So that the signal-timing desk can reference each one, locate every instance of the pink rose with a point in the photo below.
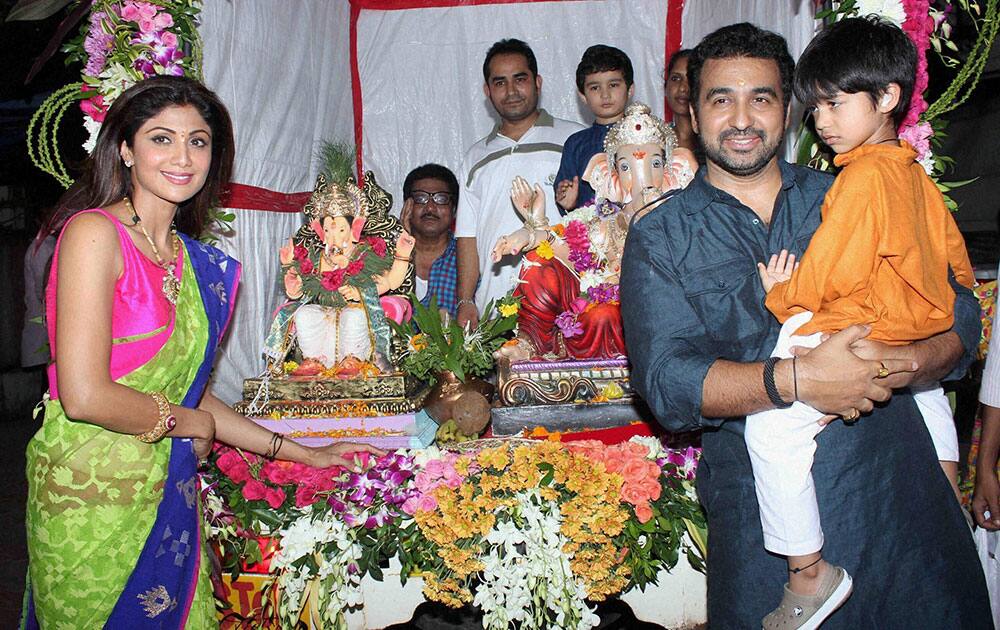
(130, 12)
(305, 496)
(634, 471)
(306, 266)
(355, 267)
(427, 503)
(146, 26)
(279, 473)
(453, 482)
(434, 468)
(652, 488)
(378, 246)
(169, 39)
(411, 505)
(275, 497)
(332, 280)
(634, 494)
(163, 20)
(254, 490)
(643, 512)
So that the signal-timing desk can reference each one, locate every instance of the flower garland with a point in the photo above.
(126, 41)
(527, 532)
(301, 267)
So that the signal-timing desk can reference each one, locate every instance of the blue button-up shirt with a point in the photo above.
(691, 295)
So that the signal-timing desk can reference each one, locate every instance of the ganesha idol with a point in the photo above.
(569, 284)
(569, 323)
(337, 275)
(331, 353)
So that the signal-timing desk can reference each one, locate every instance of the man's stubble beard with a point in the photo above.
(763, 154)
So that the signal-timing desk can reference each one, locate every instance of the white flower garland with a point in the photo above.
(333, 549)
(527, 579)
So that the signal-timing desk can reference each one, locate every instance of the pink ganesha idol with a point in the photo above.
(568, 283)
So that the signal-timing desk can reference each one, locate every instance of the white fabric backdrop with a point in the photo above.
(283, 69)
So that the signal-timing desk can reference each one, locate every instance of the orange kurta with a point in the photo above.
(881, 254)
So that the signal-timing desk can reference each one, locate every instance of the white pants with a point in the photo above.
(782, 443)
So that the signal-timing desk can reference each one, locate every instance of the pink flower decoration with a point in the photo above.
(332, 280)
(378, 246)
(919, 137)
(643, 512)
(275, 497)
(94, 107)
(254, 490)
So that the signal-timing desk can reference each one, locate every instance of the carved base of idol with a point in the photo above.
(568, 417)
(312, 397)
(559, 382)
(565, 396)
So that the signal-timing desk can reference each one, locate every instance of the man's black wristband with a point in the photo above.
(770, 387)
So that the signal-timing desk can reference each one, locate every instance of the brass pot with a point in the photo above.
(468, 403)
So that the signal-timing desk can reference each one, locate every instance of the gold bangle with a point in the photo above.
(164, 425)
(400, 258)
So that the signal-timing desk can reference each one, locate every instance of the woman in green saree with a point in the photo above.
(135, 311)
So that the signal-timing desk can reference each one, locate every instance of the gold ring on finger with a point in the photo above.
(882, 370)
(853, 417)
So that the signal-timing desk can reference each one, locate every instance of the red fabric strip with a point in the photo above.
(356, 88)
(246, 197)
(672, 43)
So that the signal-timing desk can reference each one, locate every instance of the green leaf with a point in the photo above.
(26, 10)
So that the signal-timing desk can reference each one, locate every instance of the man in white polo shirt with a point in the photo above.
(527, 142)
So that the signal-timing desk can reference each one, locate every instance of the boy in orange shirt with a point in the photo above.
(880, 257)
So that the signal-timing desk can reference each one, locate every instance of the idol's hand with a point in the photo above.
(511, 244)
(351, 294)
(404, 244)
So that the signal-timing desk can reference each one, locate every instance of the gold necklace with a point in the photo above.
(171, 283)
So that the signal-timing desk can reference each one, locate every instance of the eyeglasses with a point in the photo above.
(422, 198)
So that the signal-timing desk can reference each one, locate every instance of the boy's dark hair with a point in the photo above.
(741, 40)
(510, 47)
(601, 58)
(432, 171)
(858, 55)
(682, 53)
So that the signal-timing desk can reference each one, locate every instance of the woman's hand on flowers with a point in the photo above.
(778, 269)
(339, 454)
(351, 294)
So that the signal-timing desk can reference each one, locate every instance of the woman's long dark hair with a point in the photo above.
(105, 179)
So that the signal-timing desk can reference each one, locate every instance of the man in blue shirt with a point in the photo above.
(604, 78)
(697, 332)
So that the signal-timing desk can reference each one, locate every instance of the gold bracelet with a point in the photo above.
(400, 258)
(164, 425)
